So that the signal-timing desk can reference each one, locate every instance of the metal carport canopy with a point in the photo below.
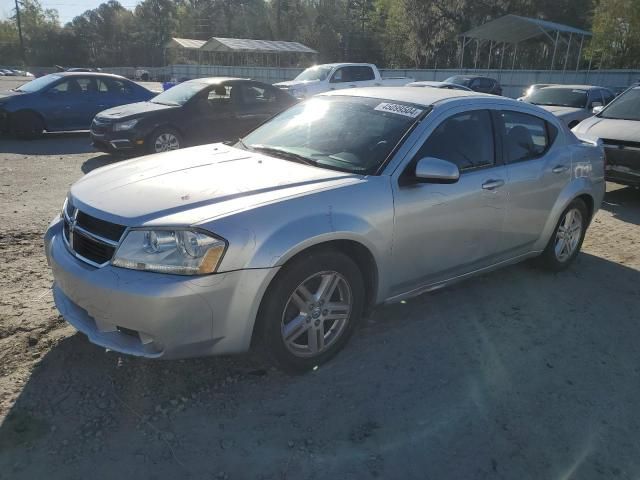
(516, 29)
(219, 44)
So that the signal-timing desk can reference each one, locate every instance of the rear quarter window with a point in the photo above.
(525, 136)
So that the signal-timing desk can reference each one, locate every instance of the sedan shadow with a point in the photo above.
(624, 204)
(101, 160)
(521, 373)
(62, 143)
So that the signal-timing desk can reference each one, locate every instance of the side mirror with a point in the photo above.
(434, 170)
(597, 109)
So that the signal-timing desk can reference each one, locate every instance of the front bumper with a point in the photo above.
(111, 142)
(155, 315)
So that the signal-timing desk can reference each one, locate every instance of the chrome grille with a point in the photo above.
(90, 239)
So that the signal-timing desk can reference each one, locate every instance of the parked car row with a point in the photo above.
(10, 72)
(126, 118)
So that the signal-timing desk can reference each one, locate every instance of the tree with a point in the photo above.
(616, 33)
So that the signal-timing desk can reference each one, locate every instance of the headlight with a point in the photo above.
(181, 252)
(128, 125)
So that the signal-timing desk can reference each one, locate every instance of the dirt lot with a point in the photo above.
(517, 374)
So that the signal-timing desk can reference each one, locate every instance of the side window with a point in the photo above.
(475, 83)
(486, 83)
(74, 86)
(340, 75)
(526, 137)
(255, 95)
(117, 87)
(102, 86)
(363, 74)
(221, 95)
(595, 96)
(607, 96)
(465, 139)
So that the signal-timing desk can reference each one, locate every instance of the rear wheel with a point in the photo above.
(566, 241)
(27, 125)
(311, 309)
(164, 139)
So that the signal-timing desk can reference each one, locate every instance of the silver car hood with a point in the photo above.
(597, 127)
(192, 185)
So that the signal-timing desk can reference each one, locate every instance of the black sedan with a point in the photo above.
(195, 112)
(477, 84)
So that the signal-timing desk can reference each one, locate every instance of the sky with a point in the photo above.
(67, 9)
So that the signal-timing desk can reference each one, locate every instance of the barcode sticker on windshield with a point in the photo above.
(399, 109)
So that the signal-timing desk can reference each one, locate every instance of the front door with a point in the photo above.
(445, 230)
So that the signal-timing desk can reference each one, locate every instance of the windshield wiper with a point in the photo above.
(282, 153)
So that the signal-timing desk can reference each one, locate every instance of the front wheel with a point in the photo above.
(164, 139)
(311, 309)
(27, 125)
(566, 241)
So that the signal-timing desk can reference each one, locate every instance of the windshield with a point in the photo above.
(180, 94)
(625, 107)
(458, 80)
(314, 73)
(560, 97)
(352, 134)
(38, 84)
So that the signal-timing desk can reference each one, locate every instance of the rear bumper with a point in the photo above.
(155, 315)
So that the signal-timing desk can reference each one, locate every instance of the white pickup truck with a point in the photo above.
(334, 76)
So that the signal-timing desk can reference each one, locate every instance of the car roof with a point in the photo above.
(418, 96)
(216, 80)
(581, 87)
(87, 74)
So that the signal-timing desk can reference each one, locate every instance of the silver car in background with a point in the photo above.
(570, 103)
(349, 200)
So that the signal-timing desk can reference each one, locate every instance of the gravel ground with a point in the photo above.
(516, 374)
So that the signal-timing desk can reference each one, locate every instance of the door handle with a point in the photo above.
(492, 184)
(353, 86)
(560, 169)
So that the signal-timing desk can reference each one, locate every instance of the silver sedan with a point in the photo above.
(349, 200)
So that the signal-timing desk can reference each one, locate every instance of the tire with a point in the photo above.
(27, 125)
(566, 241)
(164, 139)
(314, 336)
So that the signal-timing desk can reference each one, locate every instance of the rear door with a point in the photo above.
(259, 102)
(69, 104)
(112, 92)
(211, 115)
(537, 172)
(446, 230)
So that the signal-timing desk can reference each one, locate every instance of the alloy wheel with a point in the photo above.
(568, 235)
(165, 142)
(316, 314)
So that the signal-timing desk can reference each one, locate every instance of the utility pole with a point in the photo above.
(24, 58)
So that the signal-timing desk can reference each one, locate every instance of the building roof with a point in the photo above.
(514, 29)
(187, 43)
(219, 44)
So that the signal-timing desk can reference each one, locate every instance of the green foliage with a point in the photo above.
(616, 33)
(393, 33)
